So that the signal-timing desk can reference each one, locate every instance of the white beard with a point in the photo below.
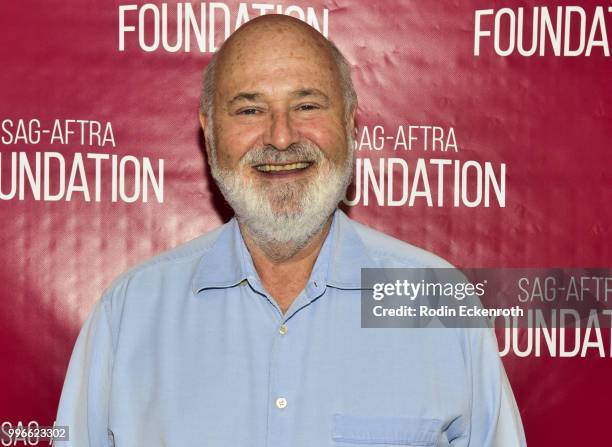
(288, 215)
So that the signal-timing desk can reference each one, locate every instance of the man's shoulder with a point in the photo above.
(390, 252)
(181, 259)
(190, 251)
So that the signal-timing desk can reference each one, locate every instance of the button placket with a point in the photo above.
(282, 386)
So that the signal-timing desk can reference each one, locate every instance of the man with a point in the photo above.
(250, 335)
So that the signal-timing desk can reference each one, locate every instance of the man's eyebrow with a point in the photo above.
(304, 92)
(301, 93)
(245, 96)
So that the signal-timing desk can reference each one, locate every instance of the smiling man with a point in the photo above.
(277, 111)
(250, 335)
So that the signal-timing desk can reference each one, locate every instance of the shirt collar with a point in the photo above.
(221, 266)
(228, 262)
(348, 255)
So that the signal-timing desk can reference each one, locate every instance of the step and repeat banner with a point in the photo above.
(484, 136)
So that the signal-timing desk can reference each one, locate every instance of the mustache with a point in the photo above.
(294, 153)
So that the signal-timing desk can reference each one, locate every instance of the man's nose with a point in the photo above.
(281, 132)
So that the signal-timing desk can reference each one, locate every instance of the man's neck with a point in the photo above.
(284, 277)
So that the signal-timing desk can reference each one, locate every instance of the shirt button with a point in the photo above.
(281, 402)
(283, 329)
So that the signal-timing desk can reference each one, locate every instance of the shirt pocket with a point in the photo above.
(350, 430)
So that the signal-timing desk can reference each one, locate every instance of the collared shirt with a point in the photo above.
(190, 349)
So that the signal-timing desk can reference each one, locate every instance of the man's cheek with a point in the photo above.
(226, 158)
(324, 168)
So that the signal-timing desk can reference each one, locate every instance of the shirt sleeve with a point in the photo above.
(495, 419)
(84, 401)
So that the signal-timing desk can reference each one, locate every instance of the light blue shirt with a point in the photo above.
(189, 349)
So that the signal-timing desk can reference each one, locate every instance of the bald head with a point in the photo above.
(271, 31)
(268, 39)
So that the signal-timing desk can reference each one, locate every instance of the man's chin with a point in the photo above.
(284, 211)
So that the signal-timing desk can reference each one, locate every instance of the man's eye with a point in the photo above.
(250, 111)
(307, 107)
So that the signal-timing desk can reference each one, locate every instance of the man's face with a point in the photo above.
(280, 138)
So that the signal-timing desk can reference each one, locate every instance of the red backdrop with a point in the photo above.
(540, 122)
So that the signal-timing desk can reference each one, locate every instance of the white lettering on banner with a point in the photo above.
(201, 27)
(434, 182)
(473, 184)
(548, 289)
(563, 333)
(567, 30)
(52, 176)
(65, 132)
(408, 137)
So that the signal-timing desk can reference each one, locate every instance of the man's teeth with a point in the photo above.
(289, 167)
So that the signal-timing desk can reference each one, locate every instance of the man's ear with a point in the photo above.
(203, 122)
(204, 125)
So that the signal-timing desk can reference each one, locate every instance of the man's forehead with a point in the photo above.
(289, 86)
(280, 72)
